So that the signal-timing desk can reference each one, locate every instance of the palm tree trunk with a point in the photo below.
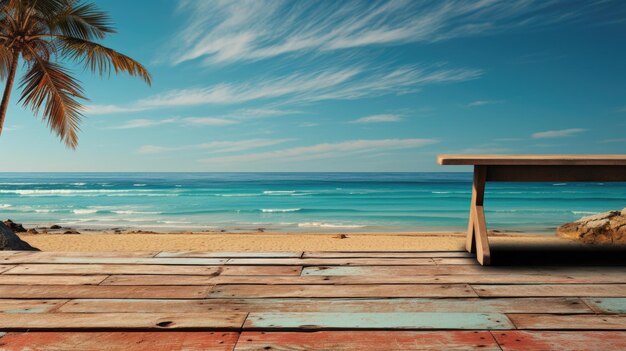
(7, 89)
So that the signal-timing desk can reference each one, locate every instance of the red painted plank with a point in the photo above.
(367, 341)
(569, 322)
(417, 290)
(127, 341)
(352, 305)
(102, 292)
(562, 341)
(162, 321)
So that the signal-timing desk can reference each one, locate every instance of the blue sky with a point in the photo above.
(342, 86)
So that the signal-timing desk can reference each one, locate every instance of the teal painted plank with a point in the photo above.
(402, 320)
(607, 304)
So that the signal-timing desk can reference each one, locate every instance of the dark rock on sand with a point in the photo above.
(340, 236)
(32, 231)
(606, 227)
(54, 227)
(71, 231)
(10, 241)
(15, 227)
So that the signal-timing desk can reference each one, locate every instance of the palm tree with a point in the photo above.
(44, 34)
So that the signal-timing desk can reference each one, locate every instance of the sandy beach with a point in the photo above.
(98, 241)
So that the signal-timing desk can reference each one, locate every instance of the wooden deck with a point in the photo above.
(304, 301)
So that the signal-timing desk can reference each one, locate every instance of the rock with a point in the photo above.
(10, 241)
(15, 227)
(71, 231)
(606, 227)
(32, 231)
(55, 227)
(340, 236)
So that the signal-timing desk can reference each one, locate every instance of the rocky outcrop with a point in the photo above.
(606, 227)
(15, 227)
(10, 241)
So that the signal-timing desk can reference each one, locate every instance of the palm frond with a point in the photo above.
(5, 61)
(100, 59)
(51, 86)
(84, 21)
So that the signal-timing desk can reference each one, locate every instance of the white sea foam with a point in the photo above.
(583, 212)
(279, 192)
(559, 184)
(79, 184)
(327, 225)
(5, 205)
(135, 212)
(139, 184)
(270, 210)
(85, 211)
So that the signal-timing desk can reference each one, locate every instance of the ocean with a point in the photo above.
(301, 202)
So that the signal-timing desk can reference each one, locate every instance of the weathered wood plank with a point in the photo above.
(5, 267)
(261, 270)
(416, 290)
(14, 256)
(399, 320)
(342, 280)
(571, 322)
(333, 261)
(52, 279)
(29, 306)
(26, 257)
(384, 254)
(515, 340)
(367, 341)
(64, 321)
(128, 341)
(417, 270)
(352, 305)
(454, 260)
(246, 254)
(176, 261)
(66, 269)
(607, 305)
(603, 290)
(101, 292)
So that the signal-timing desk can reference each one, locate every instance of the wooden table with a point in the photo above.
(527, 168)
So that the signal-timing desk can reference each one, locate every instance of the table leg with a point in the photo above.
(477, 227)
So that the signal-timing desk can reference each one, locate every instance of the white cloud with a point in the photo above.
(144, 123)
(209, 121)
(108, 109)
(558, 133)
(482, 103)
(214, 146)
(338, 84)
(324, 151)
(378, 119)
(219, 31)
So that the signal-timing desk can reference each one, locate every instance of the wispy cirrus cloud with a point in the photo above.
(297, 88)
(209, 121)
(478, 103)
(143, 123)
(386, 118)
(558, 133)
(228, 31)
(213, 146)
(325, 150)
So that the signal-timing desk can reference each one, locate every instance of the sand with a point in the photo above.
(271, 241)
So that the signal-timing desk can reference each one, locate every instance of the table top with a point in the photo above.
(532, 160)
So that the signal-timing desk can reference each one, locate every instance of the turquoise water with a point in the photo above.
(311, 202)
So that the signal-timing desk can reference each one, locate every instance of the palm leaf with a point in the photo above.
(84, 21)
(101, 59)
(51, 86)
